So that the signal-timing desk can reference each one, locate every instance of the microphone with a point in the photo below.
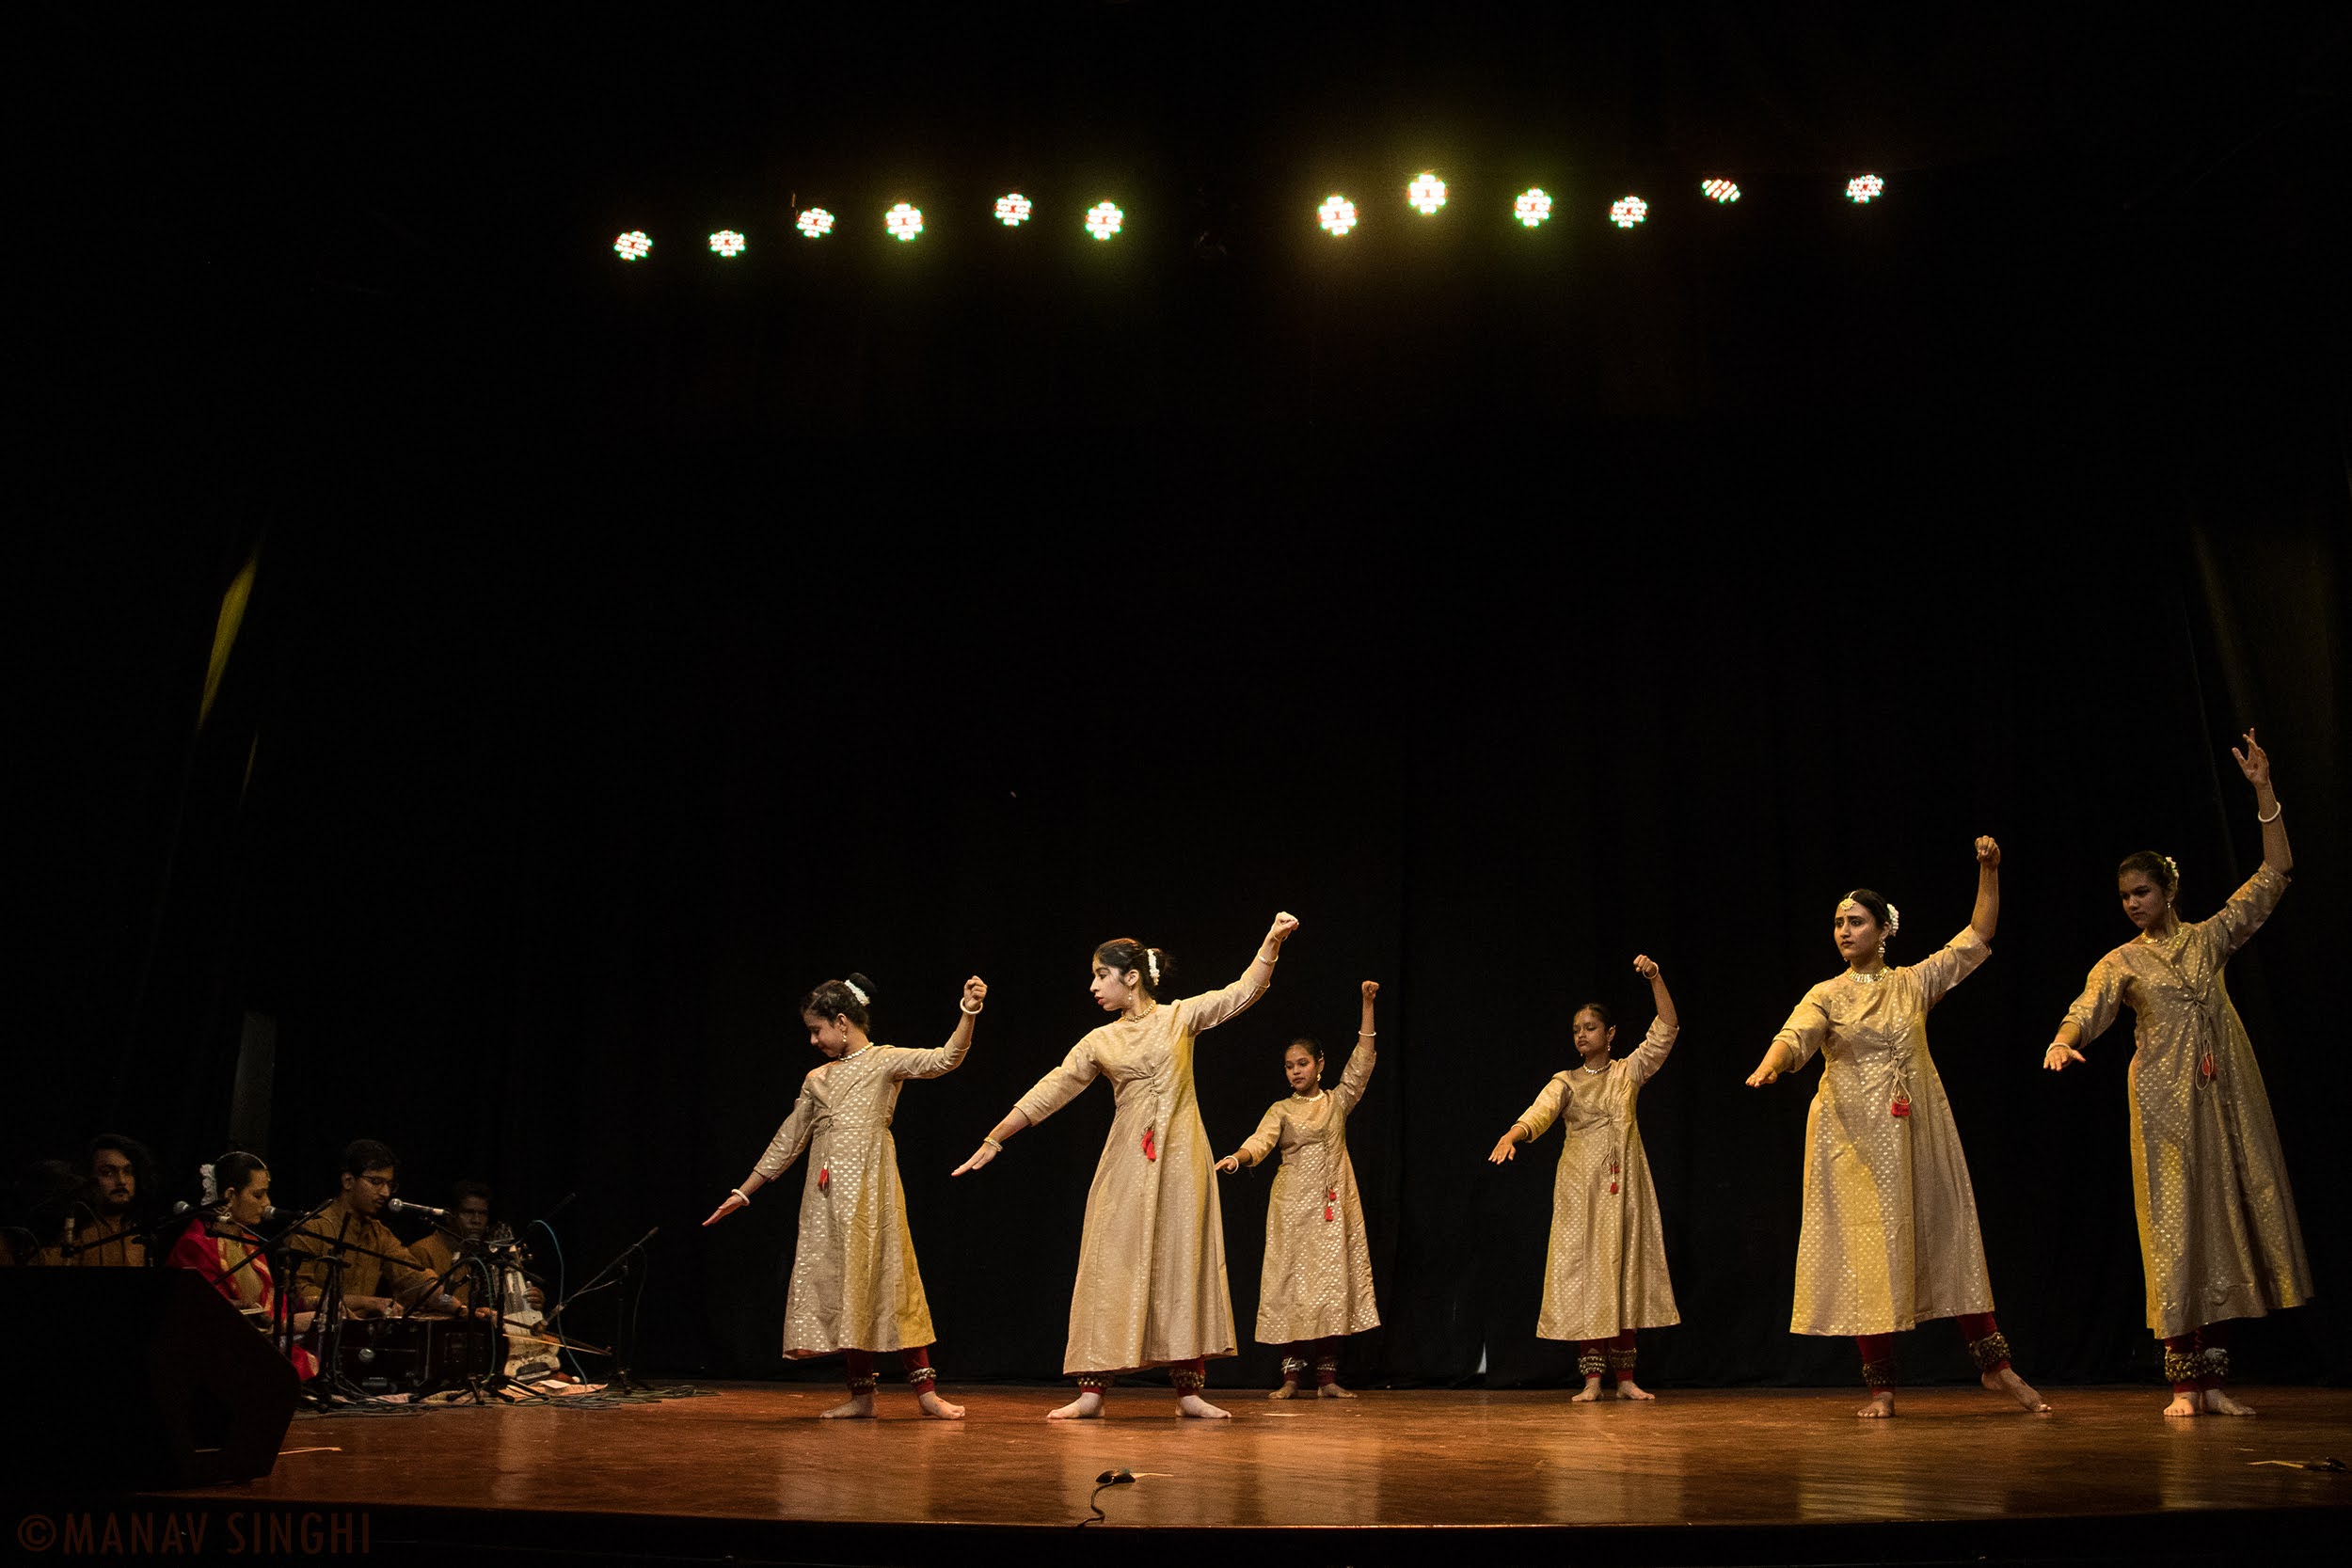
(274, 1214)
(402, 1206)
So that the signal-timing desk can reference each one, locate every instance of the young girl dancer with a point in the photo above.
(2219, 1237)
(1606, 1276)
(855, 1287)
(1316, 1285)
(1890, 1236)
(1151, 1288)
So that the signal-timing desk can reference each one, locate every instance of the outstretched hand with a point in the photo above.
(1988, 853)
(980, 1156)
(1767, 1071)
(1507, 1149)
(2060, 1053)
(735, 1201)
(1231, 1164)
(1646, 966)
(2253, 762)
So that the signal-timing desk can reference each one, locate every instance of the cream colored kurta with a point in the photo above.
(1890, 1236)
(1606, 1271)
(2219, 1237)
(1151, 1286)
(1317, 1278)
(855, 1282)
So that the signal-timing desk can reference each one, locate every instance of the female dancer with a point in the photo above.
(1890, 1236)
(1151, 1288)
(223, 1246)
(1316, 1285)
(2218, 1234)
(1607, 1272)
(855, 1287)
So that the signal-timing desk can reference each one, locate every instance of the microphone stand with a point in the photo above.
(623, 1338)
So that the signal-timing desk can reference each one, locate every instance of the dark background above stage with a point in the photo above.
(629, 650)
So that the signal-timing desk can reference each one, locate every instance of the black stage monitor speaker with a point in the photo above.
(125, 1379)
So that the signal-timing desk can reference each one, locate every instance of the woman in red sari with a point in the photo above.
(220, 1247)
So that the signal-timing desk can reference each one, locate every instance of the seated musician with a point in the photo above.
(222, 1245)
(379, 1275)
(468, 1223)
(121, 1176)
(467, 1231)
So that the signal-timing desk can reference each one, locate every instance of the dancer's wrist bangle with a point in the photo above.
(992, 1143)
(739, 1196)
(969, 1010)
(2276, 807)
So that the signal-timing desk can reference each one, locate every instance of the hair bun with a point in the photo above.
(865, 986)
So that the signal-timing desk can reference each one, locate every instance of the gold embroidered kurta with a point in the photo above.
(854, 1282)
(1890, 1236)
(395, 1275)
(1151, 1286)
(1317, 1278)
(2219, 1237)
(1606, 1270)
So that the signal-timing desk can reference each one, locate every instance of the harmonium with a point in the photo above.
(416, 1355)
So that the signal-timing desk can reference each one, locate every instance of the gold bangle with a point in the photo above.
(991, 1142)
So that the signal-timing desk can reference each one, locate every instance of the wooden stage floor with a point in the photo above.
(1753, 1476)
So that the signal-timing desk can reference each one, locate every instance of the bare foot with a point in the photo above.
(1288, 1391)
(2008, 1382)
(1590, 1393)
(1629, 1389)
(1193, 1404)
(1332, 1391)
(937, 1408)
(2185, 1405)
(1882, 1403)
(1088, 1406)
(859, 1408)
(2223, 1404)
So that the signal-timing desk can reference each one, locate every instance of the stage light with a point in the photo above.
(633, 245)
(1103, 220)
(727, 242)
(905, 222)
(816, 223)
(1427, 194)
(1531, 208)
(1337, 216)
(1720, 190)
(1012, 211)
(1627, 211)
(1862, 189)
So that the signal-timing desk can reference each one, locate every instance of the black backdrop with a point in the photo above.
(630, 650)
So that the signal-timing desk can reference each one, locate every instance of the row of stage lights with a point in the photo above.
(1337, 216)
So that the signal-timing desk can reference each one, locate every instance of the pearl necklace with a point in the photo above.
(1603, 1067)
(1869, 977)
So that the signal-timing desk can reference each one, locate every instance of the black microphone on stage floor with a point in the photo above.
(402, 1206)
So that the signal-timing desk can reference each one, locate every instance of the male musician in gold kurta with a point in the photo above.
(116, 1237)
(371, 1284)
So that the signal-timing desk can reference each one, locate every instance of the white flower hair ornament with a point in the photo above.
(212, 1189)
(850, 986)
(1894, 920)
(1151, 962)
(2174, 866)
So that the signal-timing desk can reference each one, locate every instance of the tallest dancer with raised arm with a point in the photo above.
(1150, 1289)
(2218, 1238)
(1890, 1237)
